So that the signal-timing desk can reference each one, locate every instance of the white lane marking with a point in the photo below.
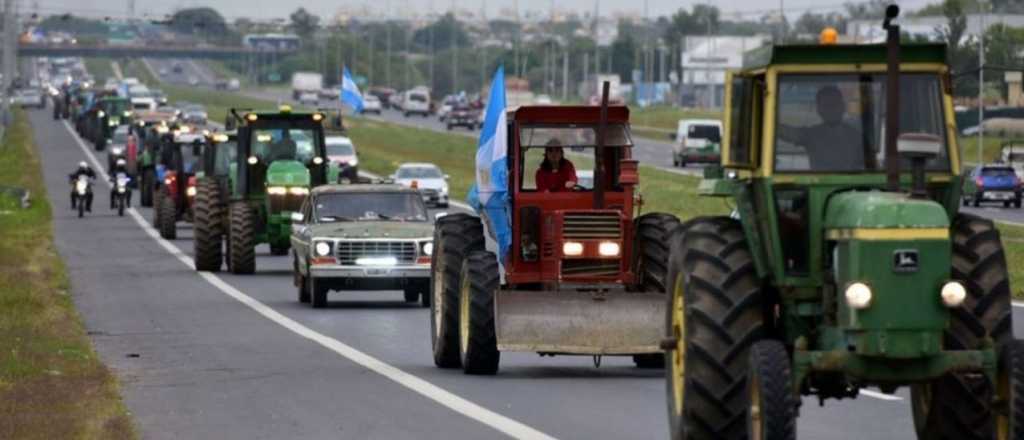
(433, 392)
(1018, 304)
(880, 396)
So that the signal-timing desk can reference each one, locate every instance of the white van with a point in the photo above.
(697, 141)
(416, 101)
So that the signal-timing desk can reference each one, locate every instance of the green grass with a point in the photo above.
(99, 68)
(223, 71)
(990, 151)
(666, 117)
(52, 383)
(1013, 246)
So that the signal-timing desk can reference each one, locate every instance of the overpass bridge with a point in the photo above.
(144, 50)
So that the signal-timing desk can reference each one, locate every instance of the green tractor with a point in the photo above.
(110, 112)
(214, 185)
(279, 157)
(839, 270)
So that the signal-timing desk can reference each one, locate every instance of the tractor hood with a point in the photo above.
(374, 229)
(287, 173)
(883, 210)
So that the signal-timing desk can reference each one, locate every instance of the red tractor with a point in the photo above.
(584, 275)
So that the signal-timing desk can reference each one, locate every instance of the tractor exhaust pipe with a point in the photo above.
(602, 127)
(892, 98)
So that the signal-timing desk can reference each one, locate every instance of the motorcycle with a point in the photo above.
(122, 193)
(81, 194)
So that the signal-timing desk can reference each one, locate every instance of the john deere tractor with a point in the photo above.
(279, 157)
(108, 113)
(845, 263)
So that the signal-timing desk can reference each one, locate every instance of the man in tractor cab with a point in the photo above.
(556, 173)
(832, 144)
(283, 149)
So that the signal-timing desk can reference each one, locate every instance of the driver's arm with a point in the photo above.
(570, 173)
(790, 133)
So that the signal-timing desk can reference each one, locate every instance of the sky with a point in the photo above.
(263, 9)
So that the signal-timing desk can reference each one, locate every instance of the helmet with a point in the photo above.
(120, 162)
(83, 165)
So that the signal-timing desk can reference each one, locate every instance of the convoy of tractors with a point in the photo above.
(836, 271)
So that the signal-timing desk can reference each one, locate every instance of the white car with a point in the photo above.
(28, 98)
(342, 152)
(427, 178)
(371, 104)
(309, 98)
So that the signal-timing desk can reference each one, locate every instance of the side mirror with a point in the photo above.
(439, 215)
(446, 177)
(297, 217)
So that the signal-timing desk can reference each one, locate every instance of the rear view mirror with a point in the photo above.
(297, 217)
(439, 215)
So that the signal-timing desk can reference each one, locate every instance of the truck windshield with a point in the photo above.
(370, 206)
(836, 123)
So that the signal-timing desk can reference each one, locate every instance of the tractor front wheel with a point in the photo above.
(146, 188)
(772, 414)
(168, 217)
(715, 314)
(650, 257)
(959, 406)
(455, 236)
(243, 241)
(208, 219)
(478, 343)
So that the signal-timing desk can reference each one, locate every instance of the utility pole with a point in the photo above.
(387, 36)
(455, 49)
(711, 84)
(565, 75)
(8, 63)
(430, 38)
(981, 81)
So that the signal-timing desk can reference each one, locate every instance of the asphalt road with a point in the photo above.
(225, 356)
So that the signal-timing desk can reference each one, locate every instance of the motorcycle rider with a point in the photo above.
(120, 167)
(83, 170)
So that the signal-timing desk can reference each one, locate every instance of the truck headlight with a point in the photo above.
(277, 190)
(608, 249)
(572, 248)
(858, 295)
(298, 191)
(953, 294)
(322, 249)
(428, 248)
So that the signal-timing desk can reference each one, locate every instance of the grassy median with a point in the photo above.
(52, 383)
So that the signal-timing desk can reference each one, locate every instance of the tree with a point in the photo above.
(447, 32)
(873, 9)
(73, 25)
(811, 23)
(204, 22)
(303, 23)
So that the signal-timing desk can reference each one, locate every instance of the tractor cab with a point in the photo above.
(180, 158)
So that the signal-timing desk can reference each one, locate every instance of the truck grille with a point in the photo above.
(583, 226)
(287, 202)
(349, 251)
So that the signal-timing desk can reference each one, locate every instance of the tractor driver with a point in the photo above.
(284, 148)
(556, 173)
(831, 145)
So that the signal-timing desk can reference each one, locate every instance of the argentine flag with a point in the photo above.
(489, 196)
(350, 92)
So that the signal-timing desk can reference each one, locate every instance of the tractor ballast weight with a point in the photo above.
(582, 276)
(838, 270)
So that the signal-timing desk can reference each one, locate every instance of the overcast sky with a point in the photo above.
(281, 8)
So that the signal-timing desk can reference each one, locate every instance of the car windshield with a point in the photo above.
(997, 172)
(417, 98)
(339, 148)
(836, 123)
(418, 173)
(285, 144)
(617, 135)
(709, 132)
(370, 206)
(115, 107)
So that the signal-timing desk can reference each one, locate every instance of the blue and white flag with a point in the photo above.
(489, 196)
(350, 92)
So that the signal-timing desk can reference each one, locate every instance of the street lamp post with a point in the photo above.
(981, 80)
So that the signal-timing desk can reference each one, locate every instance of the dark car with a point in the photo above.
(462, 115)
(992, 183)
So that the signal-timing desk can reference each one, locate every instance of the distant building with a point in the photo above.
(705, 60)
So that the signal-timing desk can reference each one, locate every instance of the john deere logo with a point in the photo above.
(906, 260)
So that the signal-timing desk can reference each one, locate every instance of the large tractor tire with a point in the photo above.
(773, 409)
(146, 188)
(958, 406)
(715, 314)
(478, 342)
(455, 236)
(650, 257)
(243, 239)
(168, 218)
(208, 213)
(158, 198)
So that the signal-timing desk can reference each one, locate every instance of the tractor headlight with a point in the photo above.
(190, 191)
(116, 151)
(277, 190)
(428, 248)
(127, 113)
(318, 160)
(298, 191)
(953, 294)
(322, 249)
(100, 114)
(252, 160)
(572, 248)
(608, 249)
(858, 295)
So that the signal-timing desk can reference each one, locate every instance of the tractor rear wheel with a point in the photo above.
(772, 414)
(158, 198)
(650, 256)
(243, 241)
(1010, 424)
(958, 406)
(168, 217)
(455, 236)
(146, 188)
(715, 314)
(208, 224)
(478, 343)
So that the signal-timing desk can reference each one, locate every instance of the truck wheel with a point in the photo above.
(411, 294)
(208, 214)
(168, 217)
(977, 201)
(146, 190)
(714, 286)
(317, 293)
(650, 256)
(303, 290)
(455, 236)
(478, 344)
(958, 406)
(772, 414)
(243, 244)
(1016, 203)
(1011, 389)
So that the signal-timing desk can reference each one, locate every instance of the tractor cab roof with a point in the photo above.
(284, 113)
(816, 54)
(568, 114)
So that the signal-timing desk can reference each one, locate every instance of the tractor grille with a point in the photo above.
(590, 267)
(287, 202)
(592, 226)
(349, 251)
